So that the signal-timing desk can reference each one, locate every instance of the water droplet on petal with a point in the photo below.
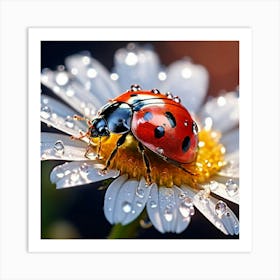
(218, 224)
(181, 195)
(140, 192)
(84, 169)
(91, 73)
(67, 172)
(220, 208)
(168, 215)
(46, 112)
(74, 71)
(59, 172)
(188, 201)
(204, 195)
(139, 203)
(186, 73)
(86, 60)
(69, 122)
(74, 177)
(184, 210)
(131, 59)
(58, 148)
(221, 101)
(70, 92)
(153, 204)
(126, 207)
(61, 79)
(162, 76)
(231, 187)
(44, 155)
(114, 76)
(213, 185)
(191, 210)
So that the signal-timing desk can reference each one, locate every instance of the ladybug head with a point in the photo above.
(99, 128)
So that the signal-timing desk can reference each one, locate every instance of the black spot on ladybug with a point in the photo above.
(186, 144)
(133, 94)
(159, 131)
(148, 116)
(171, 119)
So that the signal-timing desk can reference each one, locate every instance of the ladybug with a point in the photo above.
(157, 121)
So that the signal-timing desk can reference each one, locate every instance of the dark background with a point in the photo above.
(78, 212)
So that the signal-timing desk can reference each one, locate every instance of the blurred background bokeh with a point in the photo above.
(78, 212)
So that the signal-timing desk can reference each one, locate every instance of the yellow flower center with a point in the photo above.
(128, 159)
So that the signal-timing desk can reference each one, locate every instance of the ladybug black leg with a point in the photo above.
(99, 148)
(146, 162)
(121, 140)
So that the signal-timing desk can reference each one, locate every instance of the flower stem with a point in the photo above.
(131, 230)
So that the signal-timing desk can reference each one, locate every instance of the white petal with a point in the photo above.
(223, 112)
(167, 209)
(94, 75)
(225, 187)
(124, 200)
(71, 91)
(141, 195)
(111, 197)
(137, 65)
(164, 207)
(227, 223)
(61, 147)
(183, 211)
(230, 222)
(71, 174)
(231, 141)
(153, 209)
(231, 170)
(188, 81)
(58, 115)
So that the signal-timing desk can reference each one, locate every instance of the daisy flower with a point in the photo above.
(173, 196)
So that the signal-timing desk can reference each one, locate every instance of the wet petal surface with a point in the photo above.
(65, 86)
(137, 65)
(94, 76)
(58, 115)
(188, 81)
(71, 174)
(222, 112)
(216, 211)
(61, 147)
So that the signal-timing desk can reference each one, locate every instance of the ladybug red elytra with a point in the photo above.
(157, 121)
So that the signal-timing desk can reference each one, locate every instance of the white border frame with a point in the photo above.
(262, 16)
(243, 35)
